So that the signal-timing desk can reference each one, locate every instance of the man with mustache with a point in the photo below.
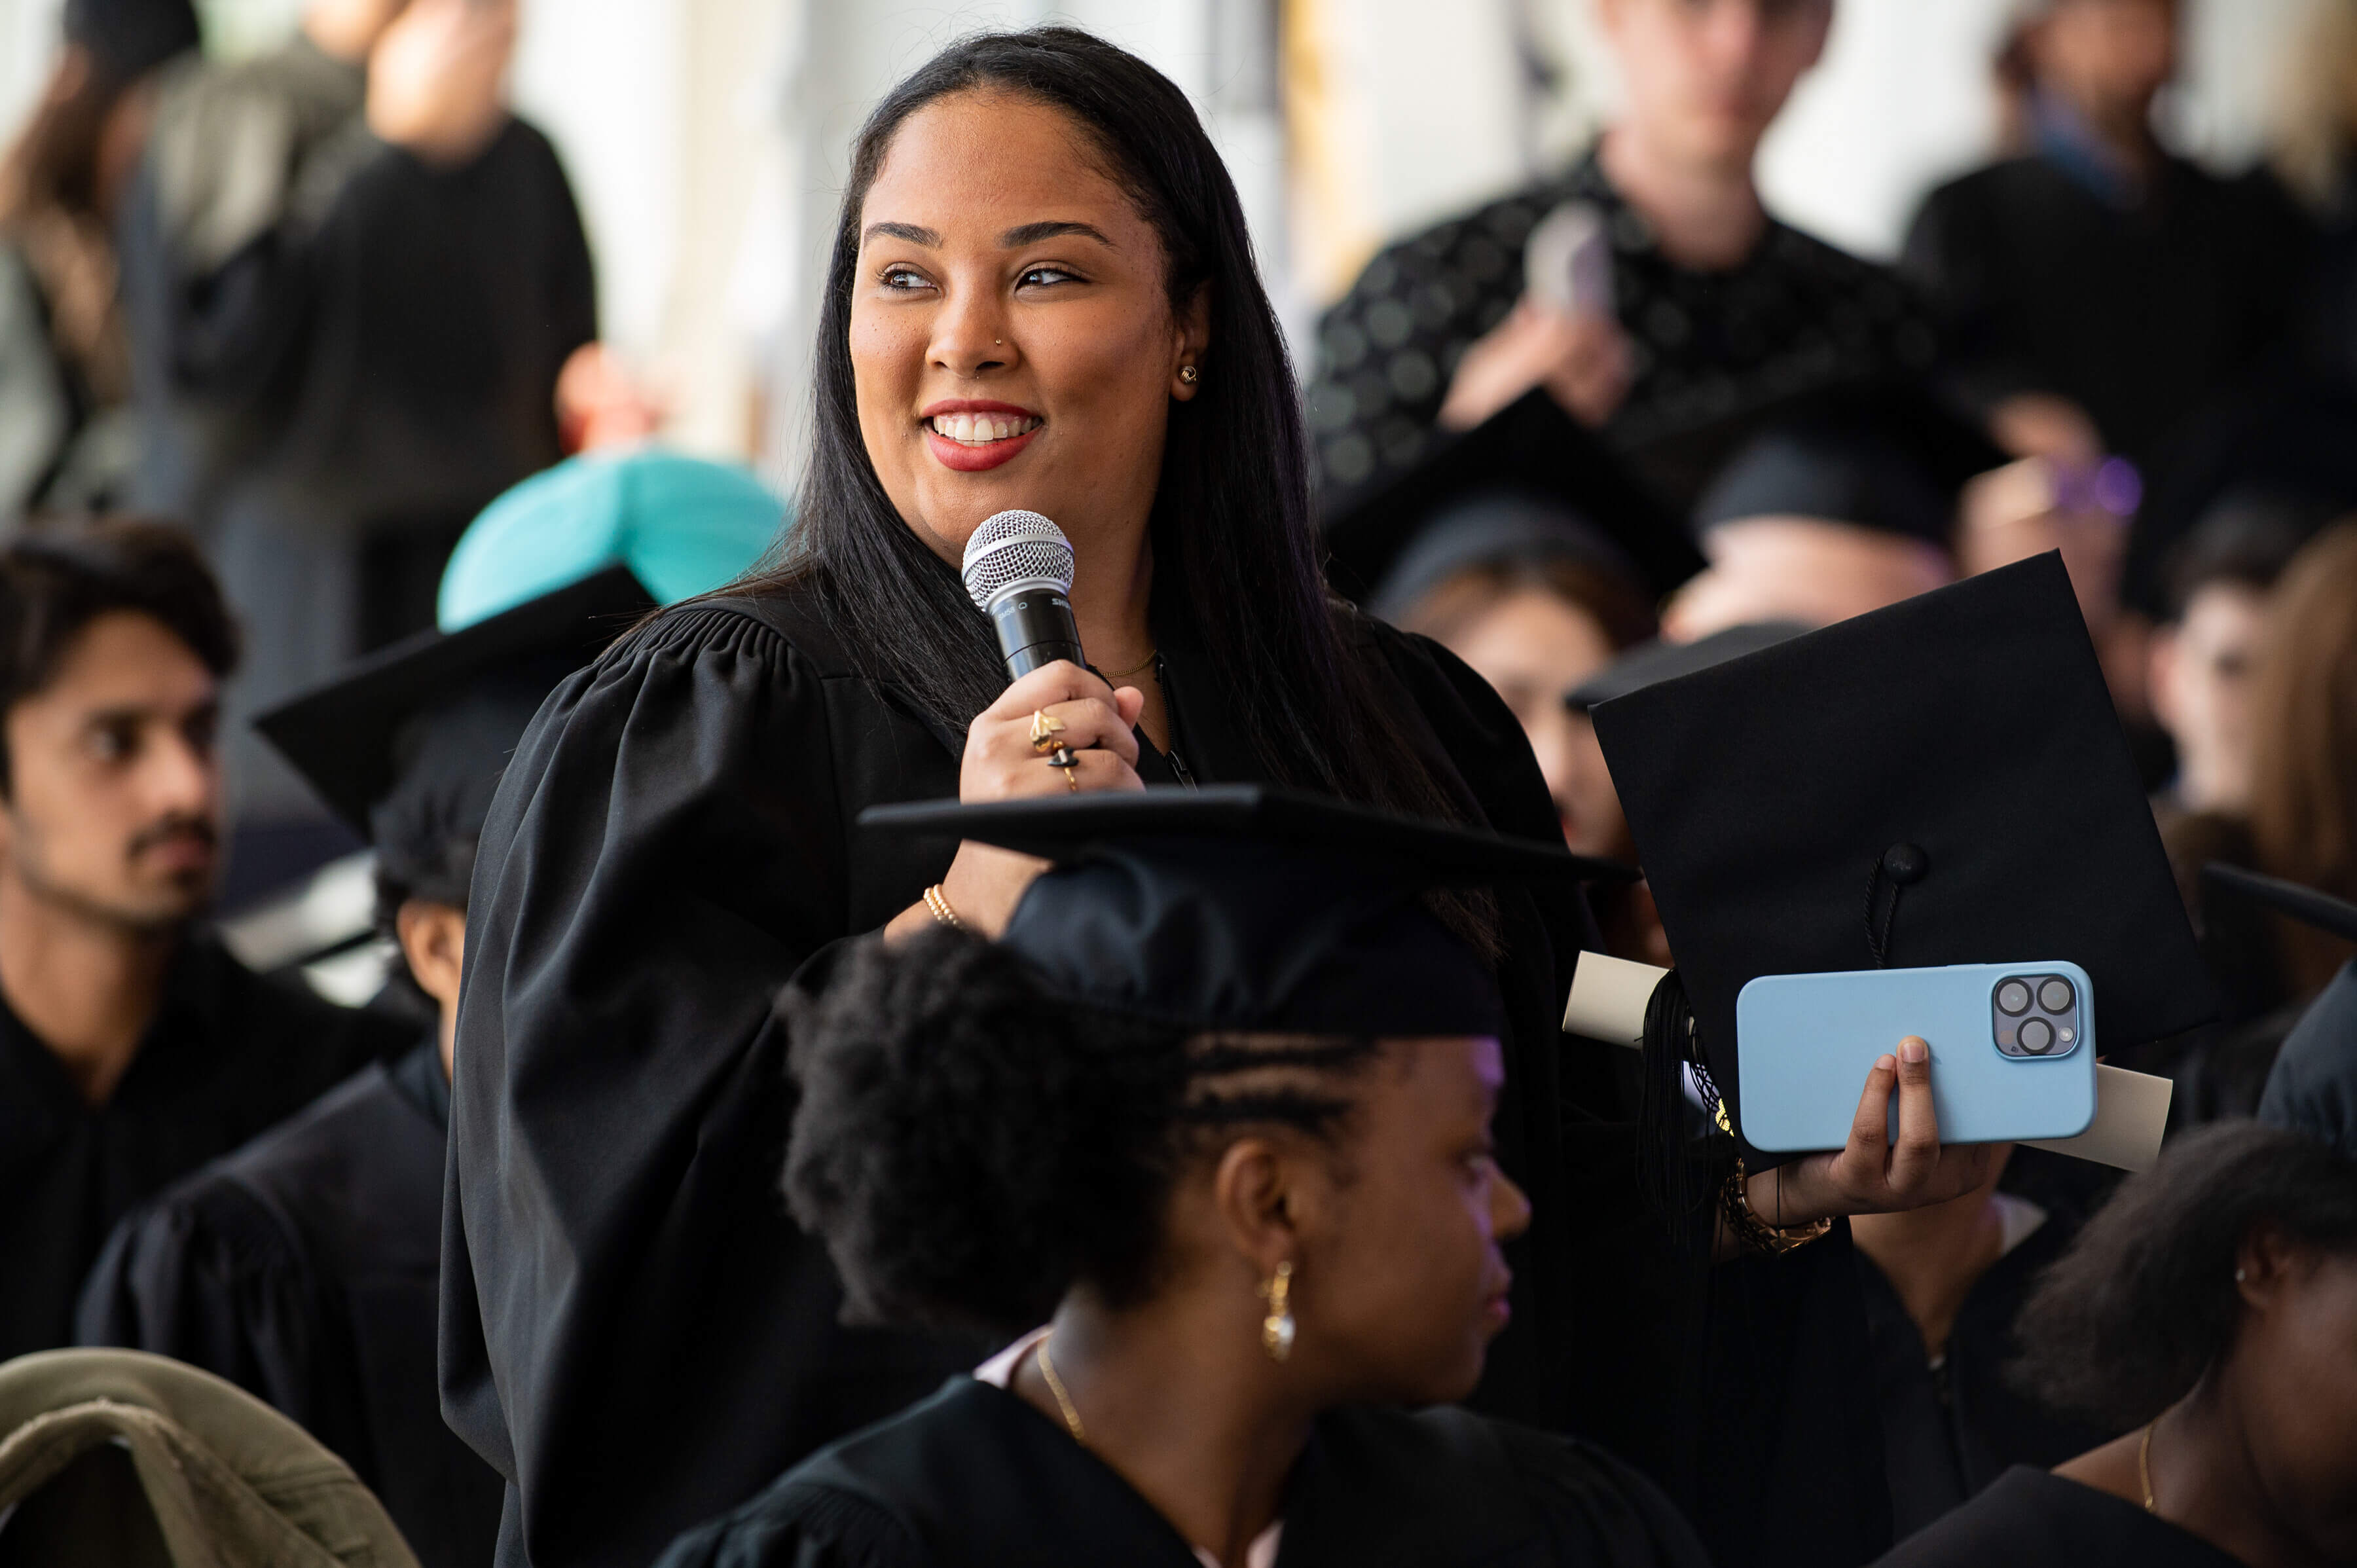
(133, 1047)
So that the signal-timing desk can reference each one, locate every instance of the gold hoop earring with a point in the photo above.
(1276, 1329)
(1190, 374)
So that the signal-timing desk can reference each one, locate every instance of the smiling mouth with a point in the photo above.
(981, 429)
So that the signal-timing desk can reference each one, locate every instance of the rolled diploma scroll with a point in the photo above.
(1607, 1002)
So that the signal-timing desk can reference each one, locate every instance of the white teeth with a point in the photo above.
(980, 429)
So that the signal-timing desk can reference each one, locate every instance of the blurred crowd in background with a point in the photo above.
(316, 287)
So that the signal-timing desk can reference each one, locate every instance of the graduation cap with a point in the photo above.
(682, 525)
(1530, 448)
(2312, 1088)
(1940, 782)
(1649, 662)
(2333, 917)
(1891, 463)
(1501, 528)
(1249, 908)
(408, 745)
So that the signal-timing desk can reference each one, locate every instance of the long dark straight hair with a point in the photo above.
(1230, 530)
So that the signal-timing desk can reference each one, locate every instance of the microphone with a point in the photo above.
(1019, 571)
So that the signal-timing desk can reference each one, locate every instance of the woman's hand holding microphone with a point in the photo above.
(1066, 704)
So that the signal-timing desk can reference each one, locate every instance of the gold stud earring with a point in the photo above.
(1276, 1329)
(998, 342)
(1190, 374)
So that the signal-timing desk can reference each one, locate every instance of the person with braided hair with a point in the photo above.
(1216, 1108)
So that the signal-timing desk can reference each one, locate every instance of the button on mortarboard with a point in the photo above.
(1970, 724)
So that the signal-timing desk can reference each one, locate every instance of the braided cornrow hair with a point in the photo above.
(970, 1150)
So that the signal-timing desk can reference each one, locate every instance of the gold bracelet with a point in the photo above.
(1755, 1233)
(938, 902)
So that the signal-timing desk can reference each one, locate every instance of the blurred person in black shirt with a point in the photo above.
(354, 280)
(2096, 292)
(1720, 317)
(133, 1047)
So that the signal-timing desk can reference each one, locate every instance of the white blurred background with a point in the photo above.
(707, 138)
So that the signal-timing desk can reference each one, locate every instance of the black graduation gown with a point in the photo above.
(623, 1295)
(1951, 1432)
(303, 1268)
(975, 1476)
(2031, 1519)
(2143, 315)
(228, 1054)
(1717, 355)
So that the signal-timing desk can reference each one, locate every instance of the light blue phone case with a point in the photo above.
(1804, 1042)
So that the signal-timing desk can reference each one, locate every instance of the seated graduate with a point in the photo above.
(1940, 782)
(1217, 1107)
(2209, 1309)
(1535, 601)
(306, 1266)
(133, 1047)
(1831, 513)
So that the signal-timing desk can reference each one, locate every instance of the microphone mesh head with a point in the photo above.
(1017, 548)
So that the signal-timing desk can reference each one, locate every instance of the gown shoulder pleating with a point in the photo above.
(672, 841)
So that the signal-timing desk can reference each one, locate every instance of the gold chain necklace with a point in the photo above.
(1152, 654)
(1063, 1400)
(2143, 1463)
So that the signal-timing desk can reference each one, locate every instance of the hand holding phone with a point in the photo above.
(1892, 1159)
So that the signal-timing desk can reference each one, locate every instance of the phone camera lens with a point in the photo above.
(2054, 995)
(2037, 1037)
(2013, 998)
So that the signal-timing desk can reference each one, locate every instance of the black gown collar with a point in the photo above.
(994, 1474)
(39, 1100)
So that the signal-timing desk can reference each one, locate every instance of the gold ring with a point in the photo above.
(1045, 727)
(1061, 756)
(1071, 778)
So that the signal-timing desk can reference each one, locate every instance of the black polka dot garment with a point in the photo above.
(1713, 351)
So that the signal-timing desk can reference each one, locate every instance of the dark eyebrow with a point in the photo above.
(911, 232)
(1032, 233)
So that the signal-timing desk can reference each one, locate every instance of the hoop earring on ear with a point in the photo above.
(1190, 374)
(1276, 1329)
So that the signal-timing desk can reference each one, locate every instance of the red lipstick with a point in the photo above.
(973, 456)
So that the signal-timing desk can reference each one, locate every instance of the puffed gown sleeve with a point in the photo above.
(207, 1275)
(633, 1332)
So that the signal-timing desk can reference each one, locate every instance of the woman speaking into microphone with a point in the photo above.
(1041, 297)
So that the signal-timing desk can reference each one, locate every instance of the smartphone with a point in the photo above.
(1567, 262)
(2013, 1050)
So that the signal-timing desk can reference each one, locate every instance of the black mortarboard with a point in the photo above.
(1892, 463)
(1649, 662)
(1530, 448)
(1247, 907)
(1499, 528)
(408, 745)
(1940, 782)
(2312, 1086)
(129, 37)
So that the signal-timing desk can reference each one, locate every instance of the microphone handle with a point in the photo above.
(1035, 627)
